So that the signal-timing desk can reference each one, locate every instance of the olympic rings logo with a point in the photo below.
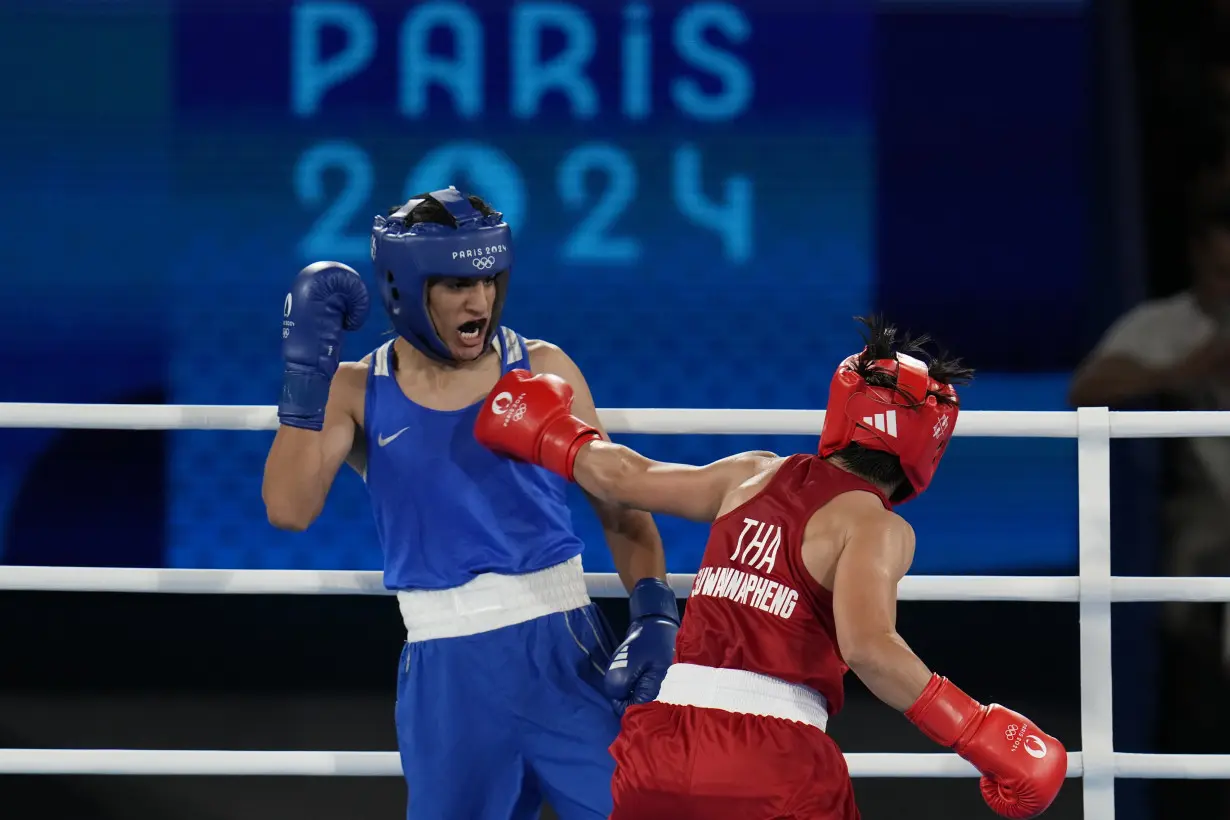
(1011, 731)
(484, 262)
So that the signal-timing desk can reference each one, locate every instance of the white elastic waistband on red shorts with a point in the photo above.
(492, 601)
(747, 693)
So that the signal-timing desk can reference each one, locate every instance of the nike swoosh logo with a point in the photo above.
(382, 441)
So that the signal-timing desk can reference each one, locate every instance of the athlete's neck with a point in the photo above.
(407, 357)
(845, 468)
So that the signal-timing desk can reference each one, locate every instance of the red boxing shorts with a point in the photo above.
(677, 762)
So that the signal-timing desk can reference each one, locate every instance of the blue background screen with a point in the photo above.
(702, 195)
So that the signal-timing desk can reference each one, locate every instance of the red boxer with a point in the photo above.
(797, 586)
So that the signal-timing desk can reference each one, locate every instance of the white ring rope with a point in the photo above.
(376, 764)
(1058, 589)
(1094, 588)
(994, 423)
(225, 762)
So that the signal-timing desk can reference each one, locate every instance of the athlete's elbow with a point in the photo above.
(867, 653)
(289, 523)
(288, 520)
(287, 513)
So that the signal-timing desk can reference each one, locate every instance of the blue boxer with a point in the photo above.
(506, 695)
(500, 698)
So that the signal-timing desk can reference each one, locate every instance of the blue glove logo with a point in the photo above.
(287, 324)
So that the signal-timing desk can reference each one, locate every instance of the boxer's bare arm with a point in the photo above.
(302, 464)
(878, 550)
(631, 534)
(620, 475)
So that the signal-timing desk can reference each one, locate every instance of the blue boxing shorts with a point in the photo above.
(497, 711)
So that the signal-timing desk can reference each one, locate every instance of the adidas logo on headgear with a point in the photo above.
(884, 422)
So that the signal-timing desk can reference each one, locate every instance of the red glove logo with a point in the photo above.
(1034, 746)
(501, 404)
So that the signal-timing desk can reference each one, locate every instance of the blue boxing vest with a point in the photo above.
(447, 508)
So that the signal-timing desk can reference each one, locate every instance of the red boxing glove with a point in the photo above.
(1022, 767)
(529, 418)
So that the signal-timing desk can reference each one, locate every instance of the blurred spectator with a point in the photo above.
(1177, 349)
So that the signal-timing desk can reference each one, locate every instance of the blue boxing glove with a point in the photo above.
(636, 672)
(326, 298)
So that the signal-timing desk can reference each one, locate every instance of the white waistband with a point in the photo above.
(492, 601)
(748, 693)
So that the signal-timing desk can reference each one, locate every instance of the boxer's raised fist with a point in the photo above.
(325, 299)
(529, 417)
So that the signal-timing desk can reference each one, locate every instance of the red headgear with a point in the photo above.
(906, 421)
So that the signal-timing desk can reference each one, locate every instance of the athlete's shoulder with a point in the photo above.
(541, 349)
(352, 374)
(865, 513)
(350, 385)
(756, 463)
(546, 357)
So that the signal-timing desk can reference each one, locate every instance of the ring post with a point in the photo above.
(1097, 712)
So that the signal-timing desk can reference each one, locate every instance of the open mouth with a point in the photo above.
(472, 331)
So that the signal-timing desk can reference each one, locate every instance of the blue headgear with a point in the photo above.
(407, 257)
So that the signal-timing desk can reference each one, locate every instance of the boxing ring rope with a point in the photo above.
(1093, 588)
(1041, 589)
